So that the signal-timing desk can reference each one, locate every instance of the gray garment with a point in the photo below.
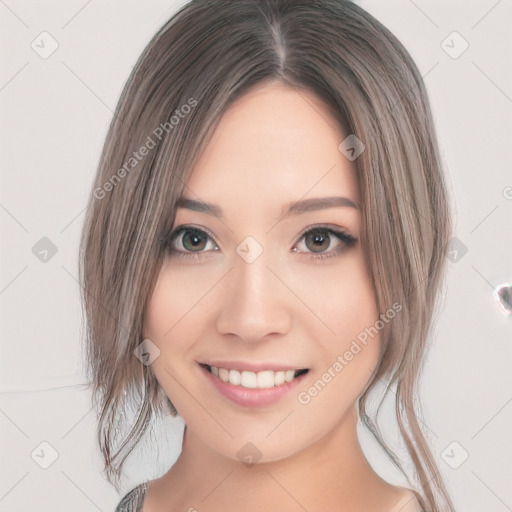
(132, 502)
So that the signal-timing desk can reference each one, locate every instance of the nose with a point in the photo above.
(255, 303)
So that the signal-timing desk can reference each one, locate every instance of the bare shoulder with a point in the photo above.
(407, 501)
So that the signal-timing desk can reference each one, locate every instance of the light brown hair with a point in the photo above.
(206, 56)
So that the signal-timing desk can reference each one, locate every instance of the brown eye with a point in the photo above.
(189, 241)
(324, 242)
(317, 240)
(194, 239)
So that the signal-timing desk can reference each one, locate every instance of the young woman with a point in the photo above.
(264, 245)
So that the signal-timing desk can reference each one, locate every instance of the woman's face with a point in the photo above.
(254, 294)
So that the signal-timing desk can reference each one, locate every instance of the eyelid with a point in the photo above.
(179, 229)
(342, 234)
(346, 241)
(328, 227)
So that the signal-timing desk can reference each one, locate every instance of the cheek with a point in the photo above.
(343, 327)
(158, 317)
(340, 298)
(164, 321)
(348, 357)
(177, 297)
(165, 324)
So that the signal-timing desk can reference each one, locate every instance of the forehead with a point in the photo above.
(274, 144)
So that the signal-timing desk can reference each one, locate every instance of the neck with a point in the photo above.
(331, 470)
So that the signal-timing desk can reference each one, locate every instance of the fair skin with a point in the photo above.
(273, 147)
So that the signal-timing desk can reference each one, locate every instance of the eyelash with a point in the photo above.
(346, 239)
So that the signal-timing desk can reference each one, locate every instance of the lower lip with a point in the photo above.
(252, 397)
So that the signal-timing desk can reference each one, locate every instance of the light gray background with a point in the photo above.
(54, 115)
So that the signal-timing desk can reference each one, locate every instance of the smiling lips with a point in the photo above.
(251, 385)
(254, 379)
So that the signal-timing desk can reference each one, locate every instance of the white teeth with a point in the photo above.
(265, 379)
(288, 375)
(252, 380)
(224, 375)
(234, 377)
(279, 378)
(248, 380)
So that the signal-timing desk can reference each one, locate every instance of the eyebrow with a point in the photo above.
(294, 208)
